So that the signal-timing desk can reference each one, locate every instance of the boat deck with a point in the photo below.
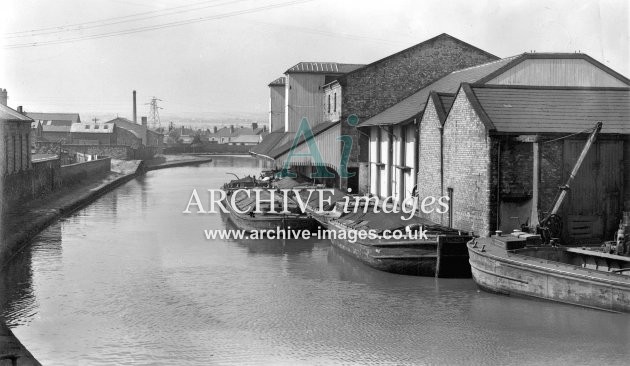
(486, 247)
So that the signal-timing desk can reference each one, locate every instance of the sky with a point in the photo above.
(214, 59)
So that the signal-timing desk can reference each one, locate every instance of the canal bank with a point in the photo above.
(22, 224)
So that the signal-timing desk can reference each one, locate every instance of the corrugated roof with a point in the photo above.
(91, 128)
(415, 103)
(322, 68)
(279, 81)
(10, 114)
(72, 117)
(317, 129)
(523, 109)
(269, 142)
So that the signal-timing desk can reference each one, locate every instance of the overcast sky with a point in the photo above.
(213, 58)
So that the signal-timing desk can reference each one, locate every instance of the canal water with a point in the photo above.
(132, 280)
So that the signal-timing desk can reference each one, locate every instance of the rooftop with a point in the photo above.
(279, 81)
(71, 117)
(322, 68)
(91, 128)
(415, 103)
(268, 143)
(10, 114)
(530, 109)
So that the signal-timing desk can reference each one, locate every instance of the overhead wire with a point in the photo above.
(157, 26)
(116, 20)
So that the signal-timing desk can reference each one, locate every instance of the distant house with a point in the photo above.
(225, 135)
(56, 131)
(15, 144)
(186, 140)
(36, 132)
(246, 140)
(149, 138)
(92, 134)
(57, 117)
(55, 126)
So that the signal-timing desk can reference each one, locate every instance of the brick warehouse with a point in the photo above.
(371, 88)
(488, 157)
(513, 205)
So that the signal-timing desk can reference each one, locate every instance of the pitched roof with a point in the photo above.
(279, 81)
(322, 68)
(554, 55)
(225, 132)
(443, 103)
(530, 109)
(422, 44)
(56, 128)
(91, 128)
(72, 117)
(10, 114)
(270, 142)
(415, 103)
(137, 129)
(317, 129)
(246, 138)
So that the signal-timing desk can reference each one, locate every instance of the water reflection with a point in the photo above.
(271, 247)
(18, 303)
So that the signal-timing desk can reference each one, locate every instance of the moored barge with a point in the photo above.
(579, 276)
(442, 253)
(245, 218)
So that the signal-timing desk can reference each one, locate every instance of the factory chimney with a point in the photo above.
(135, 116)
(144, 121)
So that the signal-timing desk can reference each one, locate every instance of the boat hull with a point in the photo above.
(440, 256)
(496, 270)
(271, 221)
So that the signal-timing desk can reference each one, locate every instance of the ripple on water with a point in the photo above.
(131, 280)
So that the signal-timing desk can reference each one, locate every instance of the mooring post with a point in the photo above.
(439, 256)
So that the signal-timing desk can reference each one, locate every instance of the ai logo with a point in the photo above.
(314, 153)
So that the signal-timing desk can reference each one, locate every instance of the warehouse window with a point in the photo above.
(335, 101)
(328, 103)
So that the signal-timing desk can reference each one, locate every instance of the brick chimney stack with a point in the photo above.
(135, 115)
(144, 121)
(20, 110)
(214, 129)
(231, 129)
(4, 97)
(254, 125)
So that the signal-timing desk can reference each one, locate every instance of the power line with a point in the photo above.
(156, 27)
(115, 20)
